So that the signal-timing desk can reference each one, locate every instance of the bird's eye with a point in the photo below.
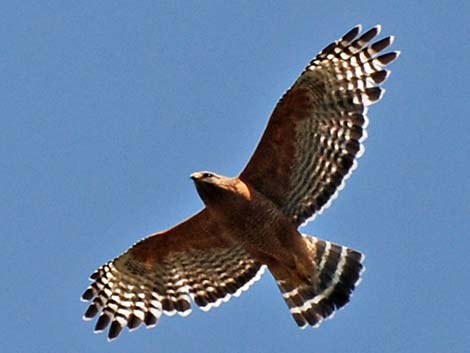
(207, 175)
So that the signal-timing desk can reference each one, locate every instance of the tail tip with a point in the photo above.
(339, 273)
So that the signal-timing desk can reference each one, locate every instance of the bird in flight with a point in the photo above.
(250, 222)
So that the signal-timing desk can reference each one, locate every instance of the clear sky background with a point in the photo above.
(108, 106)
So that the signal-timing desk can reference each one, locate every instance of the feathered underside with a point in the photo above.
(308, 150)
(315, 133)
(163, 274)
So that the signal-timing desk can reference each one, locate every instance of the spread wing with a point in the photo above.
(194, 260)
(315, 133)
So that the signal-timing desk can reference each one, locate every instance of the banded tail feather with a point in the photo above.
(338, 273)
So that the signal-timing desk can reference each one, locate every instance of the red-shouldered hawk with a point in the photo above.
(250, 222)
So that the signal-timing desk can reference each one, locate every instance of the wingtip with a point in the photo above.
(132, 329)
(88, 294)
(352, 33)
(378, 27)
(387, 75)
(185, 313)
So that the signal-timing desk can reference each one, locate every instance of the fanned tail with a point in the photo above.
(338, 273)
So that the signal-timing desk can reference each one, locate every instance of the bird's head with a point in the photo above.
(210, 186)
(204, 177)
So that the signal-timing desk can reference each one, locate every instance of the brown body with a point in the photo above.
(256, 223)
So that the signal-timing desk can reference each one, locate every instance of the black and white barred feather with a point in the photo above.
(343, 80)
(127, 293)
(338, 273)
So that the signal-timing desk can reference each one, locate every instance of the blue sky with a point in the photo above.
(108, 106)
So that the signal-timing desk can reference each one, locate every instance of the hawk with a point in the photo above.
(250, 222)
